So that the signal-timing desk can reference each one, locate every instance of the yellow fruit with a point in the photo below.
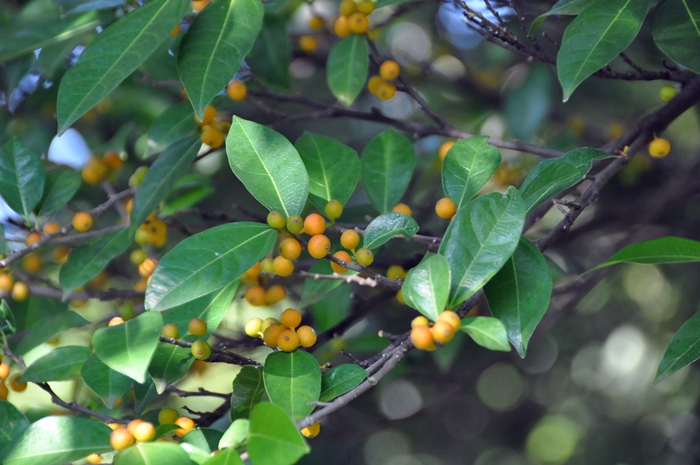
(396, 272)
(4, 371)
(197, 326)
(144, 432)
(349, 239)
(255, 295)
(93, 459)
(209, 116)
(267, 265)
(311, 431)
(237, 90)
(448, 316)
(399, 297)
(389, 70)
(94, 171)
(288, 341)
(402, 208)
(185, 424)
(114, 321)
(386, 91)
(308, 43)
(137, 257)
(444, 148)
(251, 275)
(290, 318)
(341, 27)
(4, 392)
(659, 148)
(167, 416)
(422, 338)
(445, 208)
(348, 7)
(271, 334)
(252, 327)
(314, 224)
(316, 22)
(667, 93)
(373, 84)
(267, 322)
(113, 160)
(170, 330)
(212, 137)
(419, 321)
(20, 291)
(157, 233)
(51, 227)
(364, 257)
(32, 238)
(201, 350)
(365, 6)
(275, 294)
(307, 336)
(443, 332)
(175, 31)
(120, 439)
(82, 221)
(31, 263)
(319, 246)
(334, 209)
(358, 23)
(198, 5)
(276, 220)
(60, 254)
(344, 256)
(148, 266)
(283, 267)
(290, 248)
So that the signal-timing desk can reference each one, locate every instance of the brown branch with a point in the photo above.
(217, 356)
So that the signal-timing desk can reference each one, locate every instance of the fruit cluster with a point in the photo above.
(214, 128)
(98, 169)
(144, 431)
(15, 385)
(285, 333)
(353, 17)
(201, 350)
(427, 337)
(379, 84)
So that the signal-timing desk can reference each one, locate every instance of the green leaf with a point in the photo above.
(207, 262)
(152, 453)
(348, 62)
(170, 363)
(387, 165)
(58, 365)
(12, 423)
(316, 289)
(86, 262)
(144, 393)
(519, 293)
(21, 177)
(333, 168)
(213, 48)
(479, 240)
(129, 347)
(60, 186)
(108, 384)
(187, 200)
(21, 39)
(204, 439)
(487, 332)
(273, 438)
(469, 164)
(210, 308)
(381, 3)
(683, 350)
(676, 30)
(341, 379)
(161, 177)
(657, 251)
(562, 7)
(381, 229)
(57, 440)
(175, 123)
(81, 6)
(235, 434)
(53, 320)
(225, 457)
(268, 165)
(528, 106)
(427, 286)
(248, 388)
(292, 382)
(596, 37)
(554, 175)
(271, 53)
(115, 54)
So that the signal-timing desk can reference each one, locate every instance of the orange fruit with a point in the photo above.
(319, 246)
(290, 318)
(344, 256)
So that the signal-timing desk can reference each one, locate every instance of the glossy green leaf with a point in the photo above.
(273, 437)
(381, 229)
(235, 434)
(316, 289)
(348, 62)
(115, 54)
(333, 168)
(21, 177)
(53, 319)
(554, 175)
(519, 293)
(271, 53)
(81, 6)
(332, 308)
(528, 107)
(205, 440)
(207, 262)
(562, 7)
(225, 457)
(170, 363)
(468, 166)
(52, 58)
(293, 382)
(657, 251)
(129, 347)
(12, 423)
(175, 123)
(152, 453)
(161, 177)
(58, 365)
(214, 46)
(86, 262)
(210, 308)
(20, 39)
(427, 286)
(387, 165)
(268, 165)
(144, 393)
(676, 31)
(488, 332)
(683, 350)
(60, 186)
(479, 240)
(248, 388)
(57, 440)
(341, 379)
(187, 200)
(596, 37)
(108, 384)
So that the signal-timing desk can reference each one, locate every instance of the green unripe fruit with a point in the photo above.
(137, 178)
(334, 209)
(141, 236)
(267, 322)
(667, 93)
(201, 350)
(127, 312)
(295, 224)
(276, 220)
(364, 257)
(197, 326)
(137, 257)
(170, 330)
